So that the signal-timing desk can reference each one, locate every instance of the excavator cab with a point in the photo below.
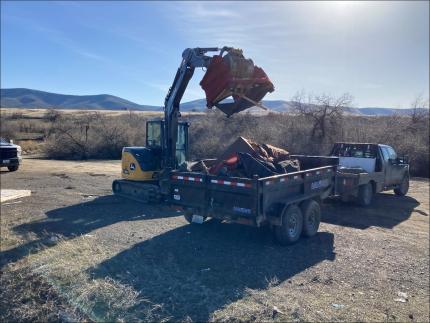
(145, 163)
(155, 138)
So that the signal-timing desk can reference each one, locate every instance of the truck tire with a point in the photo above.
(292, 225)
(13, 168)
(365, 194)
(311, 211)
(403, 188)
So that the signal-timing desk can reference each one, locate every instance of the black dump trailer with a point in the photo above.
(289, 203)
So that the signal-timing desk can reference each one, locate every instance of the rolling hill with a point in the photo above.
(32, 99)
(27, 98)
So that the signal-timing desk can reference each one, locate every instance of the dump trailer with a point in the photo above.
(289, 203)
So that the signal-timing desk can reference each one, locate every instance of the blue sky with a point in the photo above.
(377, 51)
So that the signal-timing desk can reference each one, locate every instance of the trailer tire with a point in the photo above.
(13, 168)
(292, 224)
(365, 194)
(403, 188)
(311, 211)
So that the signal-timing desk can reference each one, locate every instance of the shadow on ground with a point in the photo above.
(75, 220)
(194, 270)
(386, 210)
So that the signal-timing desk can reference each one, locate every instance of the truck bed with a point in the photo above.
(253, 201)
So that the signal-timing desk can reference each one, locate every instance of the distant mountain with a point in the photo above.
(28, 99)
(287, 106)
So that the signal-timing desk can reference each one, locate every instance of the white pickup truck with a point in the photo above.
(10, 155)
(366, 169)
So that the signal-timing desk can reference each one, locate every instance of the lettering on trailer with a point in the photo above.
(188, 178)
(237, 184)
(319, 184)
(241, 210)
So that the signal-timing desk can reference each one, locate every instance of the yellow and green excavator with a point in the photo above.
(145, 170)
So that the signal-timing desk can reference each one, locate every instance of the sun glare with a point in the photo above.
(343, 7)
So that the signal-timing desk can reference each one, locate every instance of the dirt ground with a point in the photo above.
(72, 251)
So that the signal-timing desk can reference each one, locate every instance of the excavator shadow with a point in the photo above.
(194, 270)
(74, 220)
(386, 211)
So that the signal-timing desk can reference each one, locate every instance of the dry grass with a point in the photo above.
(66, 267)
(102, 134)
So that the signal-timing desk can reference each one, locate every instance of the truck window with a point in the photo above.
(392, 154)
(385, 153)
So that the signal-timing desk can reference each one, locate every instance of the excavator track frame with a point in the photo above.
(138, 191)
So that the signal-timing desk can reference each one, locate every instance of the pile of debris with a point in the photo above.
(245, 158)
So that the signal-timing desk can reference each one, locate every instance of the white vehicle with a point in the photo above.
(10, 155)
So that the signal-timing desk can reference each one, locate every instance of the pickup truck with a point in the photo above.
(290, 203)
(10, 155)
(366, 169)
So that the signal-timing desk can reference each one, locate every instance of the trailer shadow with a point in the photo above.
(74, 220)
(194, 270)
(386, 210)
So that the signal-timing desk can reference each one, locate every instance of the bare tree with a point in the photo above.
(72, 133)
(420, 110)
(324, 111)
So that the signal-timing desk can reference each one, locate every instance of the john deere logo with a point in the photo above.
(132, 166)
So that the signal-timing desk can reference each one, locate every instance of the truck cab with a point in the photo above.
(367, 168)
(10, 155)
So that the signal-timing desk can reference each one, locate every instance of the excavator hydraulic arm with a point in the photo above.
(228, 74)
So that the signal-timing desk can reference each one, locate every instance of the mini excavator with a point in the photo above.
(232, 83)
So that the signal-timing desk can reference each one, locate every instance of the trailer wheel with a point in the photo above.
(403, 188)
(13, 168)
(365, 194)
(311, 217)
(292, 224)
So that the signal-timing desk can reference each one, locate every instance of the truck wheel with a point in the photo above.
(311, 217)
(13, 168)
(403, 188)
(365, 194)
(292, 224)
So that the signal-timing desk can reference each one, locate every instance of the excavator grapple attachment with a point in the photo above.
(233, 75)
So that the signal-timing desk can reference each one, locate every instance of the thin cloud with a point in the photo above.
(56, 36)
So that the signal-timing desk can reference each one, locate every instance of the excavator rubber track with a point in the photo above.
(140, 192)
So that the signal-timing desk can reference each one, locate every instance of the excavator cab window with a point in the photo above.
(154, 133)
(182, 143)
(154, 138)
